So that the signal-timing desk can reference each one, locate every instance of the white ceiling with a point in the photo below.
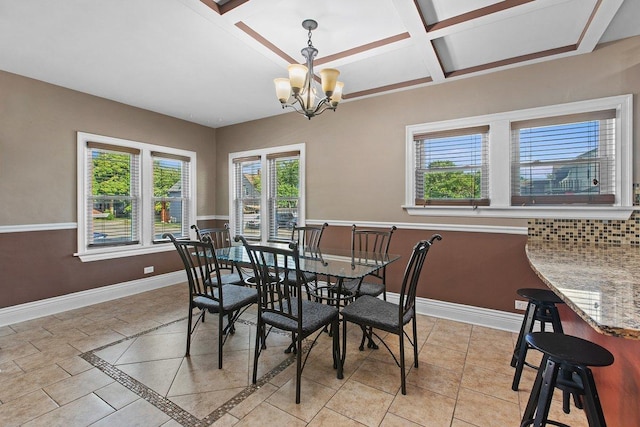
(213, 62)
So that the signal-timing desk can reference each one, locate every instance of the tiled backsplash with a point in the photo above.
(615, 232)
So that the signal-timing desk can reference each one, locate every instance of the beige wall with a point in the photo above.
(355, 156)
(38, 125)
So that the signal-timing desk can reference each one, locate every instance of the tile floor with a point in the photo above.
(122, 363)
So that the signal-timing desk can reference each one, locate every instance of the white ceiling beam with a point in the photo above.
(412, 19)
(598, 25)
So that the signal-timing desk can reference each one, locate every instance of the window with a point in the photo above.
(451, 167)
(267, 192)
(247, 196)
(562, 161)
(113, 196)
(129, 195)
(171, 195)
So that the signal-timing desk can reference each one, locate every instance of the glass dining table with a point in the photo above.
(339, 265)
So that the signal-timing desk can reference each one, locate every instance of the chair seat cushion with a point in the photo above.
(366, 288)
(227, 279)
(309, 277)
(315, 315)
(234, 297)
(371, 311)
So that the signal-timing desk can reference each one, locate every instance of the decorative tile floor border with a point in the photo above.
(166, 405)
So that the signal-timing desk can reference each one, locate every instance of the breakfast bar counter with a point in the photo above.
(600, 282)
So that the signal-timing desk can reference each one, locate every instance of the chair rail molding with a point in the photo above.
(38, 227)
(420, 226)
(406, 225)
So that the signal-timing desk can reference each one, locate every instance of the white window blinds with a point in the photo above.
(451, 167)
(171, 195)
(564, 160)
(112, 210)
(284, 193)
(247, 196)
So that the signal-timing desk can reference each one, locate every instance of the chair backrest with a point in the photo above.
(412, 274)
(272, 266)
(220, 238)
(372, 241)
(200, 264)
(308, 237)
(375, 241)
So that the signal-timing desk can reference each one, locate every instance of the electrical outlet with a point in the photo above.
(148, 270)
(521, 305)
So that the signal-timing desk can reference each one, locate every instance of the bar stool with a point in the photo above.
(541, 308)
(565, 366)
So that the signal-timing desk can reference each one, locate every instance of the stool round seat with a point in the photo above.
(570, 349)
(540, 295)
(565, 366)
(541, 307)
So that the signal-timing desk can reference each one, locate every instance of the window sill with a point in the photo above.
(527, 212)
(110, 253)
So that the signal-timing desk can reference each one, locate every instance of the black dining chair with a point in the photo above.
(220, 237)
(308, 237)
(282, 306)
(373, 313)
(203, 275)
(376, 243)
(308, 240)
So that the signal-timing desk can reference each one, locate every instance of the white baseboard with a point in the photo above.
(495, 319)
(49, 306)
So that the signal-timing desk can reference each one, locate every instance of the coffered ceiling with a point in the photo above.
(213, 62)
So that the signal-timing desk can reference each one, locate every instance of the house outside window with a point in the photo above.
(171, 195)
(130, 194)
(247, 200)
(114, 198)
(267, 192)
(564, 160)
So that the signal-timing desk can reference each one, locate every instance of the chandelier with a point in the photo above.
(299, 90)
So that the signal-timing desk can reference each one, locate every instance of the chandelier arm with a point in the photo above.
(307, 112)
(322, 111)
(297, 98)
(297, 110)
(322, 106)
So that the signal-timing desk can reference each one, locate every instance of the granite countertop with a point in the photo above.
(600, 282)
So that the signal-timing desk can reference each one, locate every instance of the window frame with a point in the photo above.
(500, 163)
(264, 155)
(581, 127)
(184, 199)
(482, 166)
(146, 244)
